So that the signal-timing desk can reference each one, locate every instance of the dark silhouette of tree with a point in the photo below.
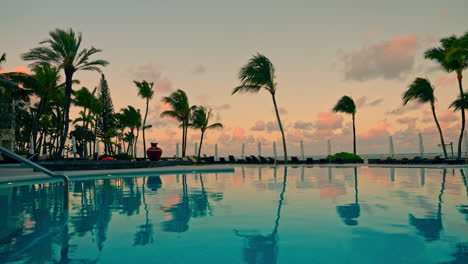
(180, 212)
(106, 120)
(350, 213)
(264, 248)
(430, 227)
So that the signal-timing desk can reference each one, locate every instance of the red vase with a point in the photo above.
(154, 152)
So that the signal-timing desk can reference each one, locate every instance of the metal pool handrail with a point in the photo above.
(36, 166)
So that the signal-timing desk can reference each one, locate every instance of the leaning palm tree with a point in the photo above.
(457, 104)
(201, 120)
(450, 58)
(347, 105)
(258, 74)
(180, 110)
(63, 50)
(145, 91)
(421, 90)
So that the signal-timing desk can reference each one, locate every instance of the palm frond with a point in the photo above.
(420, 90)
(345, 105)
(457, 104)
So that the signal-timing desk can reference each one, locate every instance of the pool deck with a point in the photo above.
(15, 173)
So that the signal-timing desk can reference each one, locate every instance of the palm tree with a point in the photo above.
(43, 82)
(421, 90)
(347, 105)
(180, 110)
(145, 91)
(131, 118)
(88, 101)
(201, 120)
(63, 51)
(450, 58)
(258, 74)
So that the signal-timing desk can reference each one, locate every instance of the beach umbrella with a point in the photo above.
(275, 154)
(31, 146)
(243, 150)
(259, 148)
(195, 149)
(392, 149)
(97, 146)
(329, 147)
(422, 174)
(421, 145)
(177, 150)
(74, 145)
(302, 150)
(216, 151)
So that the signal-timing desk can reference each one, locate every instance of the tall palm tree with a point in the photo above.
(258, 74)
(180, 110)
(43, 82)
(347, 105)
(421, 90)
(201, 120)
(63, 50)
(451, 60)
(145, 91)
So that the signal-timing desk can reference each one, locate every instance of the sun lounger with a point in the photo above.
(294, 160)
(263, 159)
(309, 161)
(433, 160)
(255, 159)
(401, 161)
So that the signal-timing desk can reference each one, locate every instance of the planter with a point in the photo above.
(154, 152)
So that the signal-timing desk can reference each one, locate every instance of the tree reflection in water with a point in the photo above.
(180, 212)
(430, 227)
(145, 232)
(461, 254)
(264, 248)
(350, 212)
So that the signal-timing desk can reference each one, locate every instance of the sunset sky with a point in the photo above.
(322, 50)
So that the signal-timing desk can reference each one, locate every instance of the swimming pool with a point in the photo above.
(254, 215)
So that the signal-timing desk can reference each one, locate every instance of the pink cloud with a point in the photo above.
(448, 117)
(259, 126)
(388, 59)
(446, 80)
(328, 120)
(378, 132)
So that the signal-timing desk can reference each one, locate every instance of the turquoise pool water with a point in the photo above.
(254, 215)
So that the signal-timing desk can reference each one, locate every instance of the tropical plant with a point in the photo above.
(451, 58)
(145, 91)
(88, 101)
(347, 105)
(105, 127)
(422, 91)
(131, 118)
(457, 104)
(258, 74)
(180, 110)
(63, 50)
(201, 121)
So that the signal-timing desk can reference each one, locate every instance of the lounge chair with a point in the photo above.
(433, 160)
(294, 160)
(222, 160)
(255, 159)
(263, 159)
(415, 160)
(248, 159)
(232, 159)
(309, 161)
(401, 161)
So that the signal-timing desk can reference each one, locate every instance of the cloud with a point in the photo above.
(361, 101)
(404, 109)
(199, 69)
(303, 125)
(151, 73)
(272, 126)
(378, 133)
(328, 120)
(259, 126)
(223, 107)
(410, 121)
(20, 68)
(448, 117)
(388, 59)
(164, 85)
(376, 102)
(283, 111)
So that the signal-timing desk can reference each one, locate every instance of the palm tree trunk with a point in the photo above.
(66, 110)
(462, 110)
(354, 134)
(144, 124)
(35, 125)
(281, 128)
(199, 147)
(442, 141)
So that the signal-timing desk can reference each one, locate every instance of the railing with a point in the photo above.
(34, 165)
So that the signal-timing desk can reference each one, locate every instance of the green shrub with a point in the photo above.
(344, 156)
(122, 156)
